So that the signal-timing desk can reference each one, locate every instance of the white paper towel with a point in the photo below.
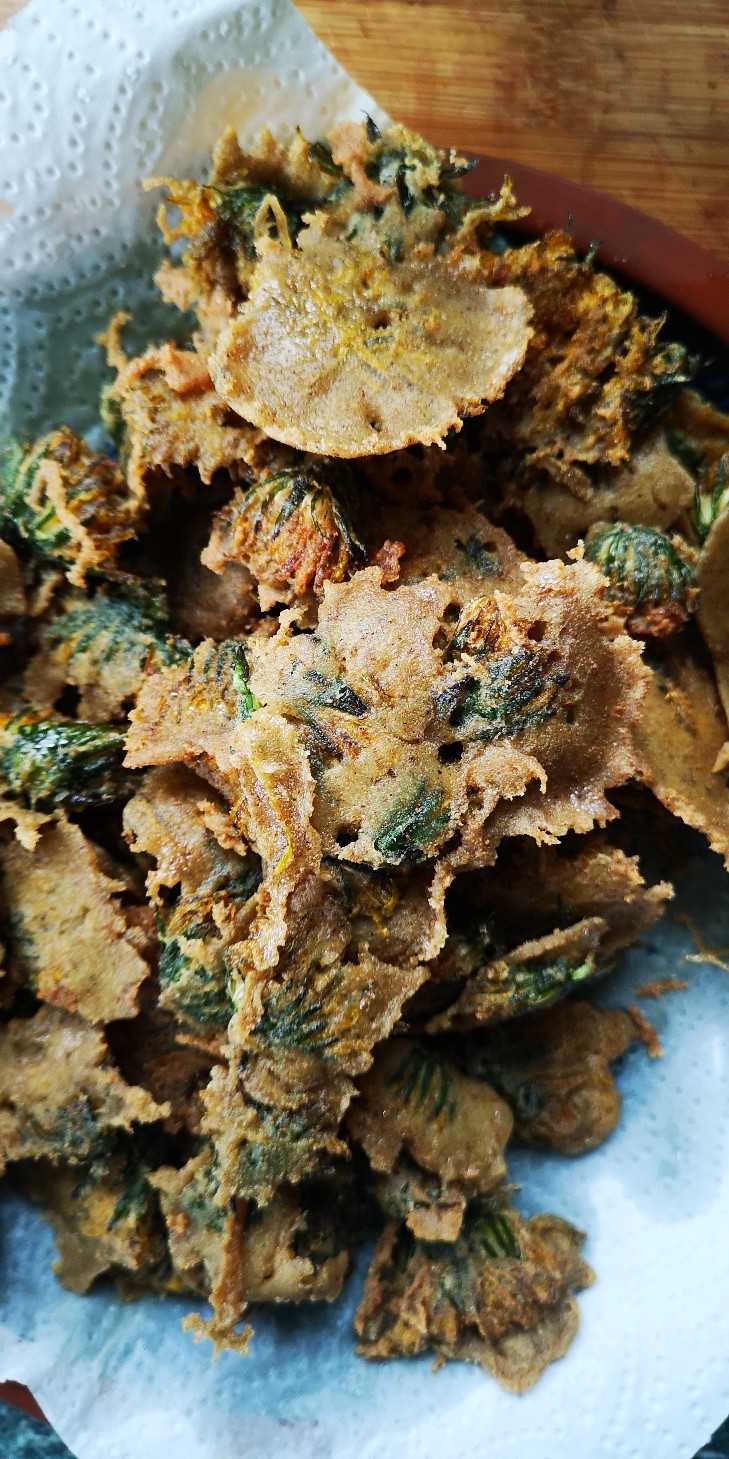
(96, 96)
(93, 97)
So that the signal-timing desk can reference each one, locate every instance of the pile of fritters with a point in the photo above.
(319, 691)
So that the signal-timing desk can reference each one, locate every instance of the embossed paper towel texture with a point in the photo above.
(95, 97)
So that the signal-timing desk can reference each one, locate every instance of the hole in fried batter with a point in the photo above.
(68, 701)
(450, 754)
(227, 417)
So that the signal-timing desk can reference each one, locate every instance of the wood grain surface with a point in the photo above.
(628, 96)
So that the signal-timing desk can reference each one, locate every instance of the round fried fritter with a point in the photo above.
(339, 352)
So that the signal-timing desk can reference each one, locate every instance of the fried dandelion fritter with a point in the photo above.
(376, 355)
(66, 505)
(317, 688)
(501, 1295)
(554, 1072)
(60, 1095)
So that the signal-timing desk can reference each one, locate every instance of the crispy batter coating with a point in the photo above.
(214, 605)
(67, 930)
(714, 601)
(588, 877)
(501, 1295)
(327, 682)
(104, 646)
(391, 192)
(508, 953)
(154, 1051)
(531, 976)
(554, 1071)
(201, 715)
(407, 196)
(177, 819)
(196, 933)
(652, 488)
(273, 1125)
(645, 1032)
(702, 429)
(341, 353)
(273, 1115)
(680, 740)
(13, 602)
(590, 742)
(658, 987)
(106, 1221)
(249, 195)
(535, 687)
(203, 893)
(383, 797)
(197, 1229)
(594, 371)
(651, 576)
(333, 1011)
(284, 1253)
(60, 1095)
(413, 1101)
(397, 915)
(458, 545)
(27, 824)
(699, 435)
(168, 418)
(292, 530)
(431, 1208)
(68, 505)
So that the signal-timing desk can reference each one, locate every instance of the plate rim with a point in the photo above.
(646, 251)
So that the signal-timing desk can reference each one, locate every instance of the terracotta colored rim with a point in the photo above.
(648, 253)
(19, 1397)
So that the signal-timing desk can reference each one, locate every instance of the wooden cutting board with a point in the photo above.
(628, 96)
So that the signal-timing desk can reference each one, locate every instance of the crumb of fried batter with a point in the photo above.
(388, 558)
(714, 956)
(660, 986)
(647, 1034)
